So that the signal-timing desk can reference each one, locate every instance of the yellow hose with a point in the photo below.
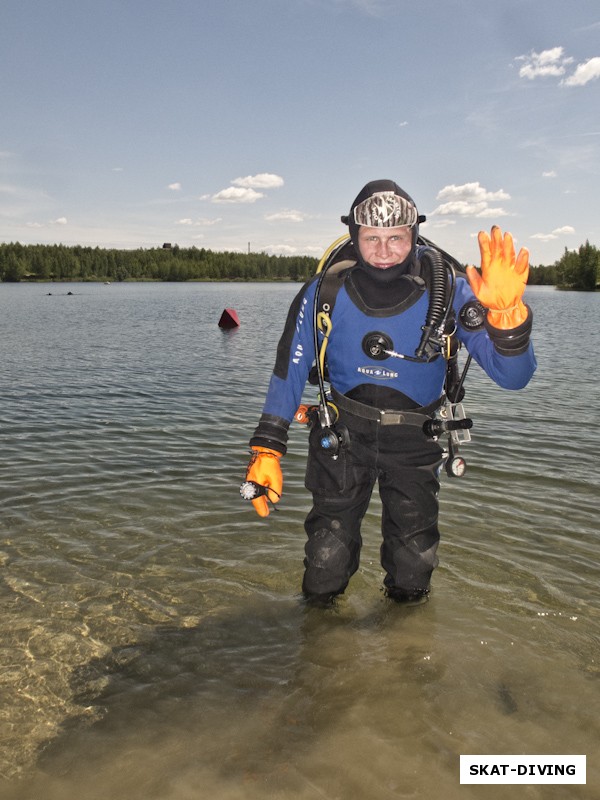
(330, 250)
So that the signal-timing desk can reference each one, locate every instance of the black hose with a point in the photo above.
(324, 416)
(438, 297)
(456, 392)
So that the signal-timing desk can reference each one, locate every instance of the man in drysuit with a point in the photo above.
(381, 394)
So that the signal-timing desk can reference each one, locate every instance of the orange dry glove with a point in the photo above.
(264, 469)
(502, 281)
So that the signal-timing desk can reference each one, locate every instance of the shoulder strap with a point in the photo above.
(332, 282)
(336, 263)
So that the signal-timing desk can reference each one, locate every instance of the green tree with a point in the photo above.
(589, 260)
(579, 270)
(14, 268)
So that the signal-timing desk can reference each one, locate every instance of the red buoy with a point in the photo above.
(229, 319)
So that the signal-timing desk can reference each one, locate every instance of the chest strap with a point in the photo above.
(416, 416)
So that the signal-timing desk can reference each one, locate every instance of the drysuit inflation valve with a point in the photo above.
(377, 345)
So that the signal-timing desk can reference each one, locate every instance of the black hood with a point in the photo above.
(371, 188)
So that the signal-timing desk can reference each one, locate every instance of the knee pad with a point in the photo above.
(331, 559)
(409, 568)
(429, 558)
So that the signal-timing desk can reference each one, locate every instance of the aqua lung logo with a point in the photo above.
(301, 314)
(379, 373)
(298, 354)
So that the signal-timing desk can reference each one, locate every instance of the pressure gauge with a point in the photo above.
(456, 466)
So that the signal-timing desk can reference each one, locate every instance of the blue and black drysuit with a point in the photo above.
(399, 456)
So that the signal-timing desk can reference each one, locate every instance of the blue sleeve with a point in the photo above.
(508, 371)
(295, 356)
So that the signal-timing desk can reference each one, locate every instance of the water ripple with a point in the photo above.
(144, 601)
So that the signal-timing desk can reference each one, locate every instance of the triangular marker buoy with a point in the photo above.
(229, 319)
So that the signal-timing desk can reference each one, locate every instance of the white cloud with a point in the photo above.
(460, 208)
(370, 7)
(584, 73)
(554, 63)
(199, 222)
(594, 26)
(549, 237)
(551, 62)
(441, 223)
(312, 250)
(469, 200)
(243, 190)
(550, 174)
(281, 249)
(236, 194)
(471, 192)
(174, 187)
(288, 215)
(264, 180)
(492, 213)
(59, 221)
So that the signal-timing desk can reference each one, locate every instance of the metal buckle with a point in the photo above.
(391, 418)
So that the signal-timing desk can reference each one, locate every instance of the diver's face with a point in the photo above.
(384, 247)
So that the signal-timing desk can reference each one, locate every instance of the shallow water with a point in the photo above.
(153, 644)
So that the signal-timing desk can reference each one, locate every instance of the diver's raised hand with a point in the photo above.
(500, 285)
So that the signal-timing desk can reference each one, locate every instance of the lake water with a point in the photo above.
(152, 641)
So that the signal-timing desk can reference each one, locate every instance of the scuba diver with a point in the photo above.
(382, 321)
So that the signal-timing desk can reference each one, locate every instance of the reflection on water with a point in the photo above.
(153, 643)
(275, 701)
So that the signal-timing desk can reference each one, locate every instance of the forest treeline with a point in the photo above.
(576, 269)
(61, 263)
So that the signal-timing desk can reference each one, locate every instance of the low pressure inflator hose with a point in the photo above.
(438, 297)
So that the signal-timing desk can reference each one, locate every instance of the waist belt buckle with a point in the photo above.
(391, 418)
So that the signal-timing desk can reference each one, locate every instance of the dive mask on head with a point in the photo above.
(385, 210)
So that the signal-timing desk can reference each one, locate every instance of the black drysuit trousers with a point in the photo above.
(405, 464)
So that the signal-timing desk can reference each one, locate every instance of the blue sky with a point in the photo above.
(230, 124)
